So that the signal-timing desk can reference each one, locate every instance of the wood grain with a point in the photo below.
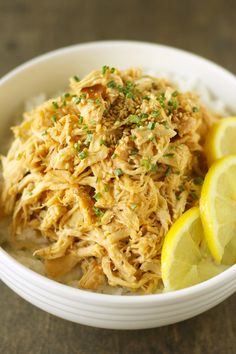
(29, 28)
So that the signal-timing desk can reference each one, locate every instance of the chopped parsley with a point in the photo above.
(143, 115)
(175, 93)
(104, 69)
(161, 99)
(151, 125)
(153, 167)
(155, 114)
(146, 163)
(55, 105)
(83, 155)
(106, 187)
(112, 70)
(102, 142)
(111, 84)
(113, 156)
(77, 146)
(67, 94)
(44, 132)
(151, 138)
(133, 137)
(54, 118)
(98, 212)
(85, 127)
(133, 118)
(195, 109)
(118, 172)
(147, 98)
(76, 100)
(194, 195)
(97, 196)
(134, 152)
(83, 95)
(198, 180)
(81, 118)
(89, 138)
(76, 78)
(133, 206)
(165, 123)
(130, 95)
(128, 90)
(173, 104)
(168, 171)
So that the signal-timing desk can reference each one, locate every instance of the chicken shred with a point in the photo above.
(100, 173)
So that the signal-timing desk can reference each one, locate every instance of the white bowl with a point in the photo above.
(50, 72)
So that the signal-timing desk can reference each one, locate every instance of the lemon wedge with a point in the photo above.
(221, 140)
(185, 259)
(218, 209)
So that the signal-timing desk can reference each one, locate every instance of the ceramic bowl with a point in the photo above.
(49, 73)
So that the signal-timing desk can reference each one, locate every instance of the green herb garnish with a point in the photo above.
(104, 69)
(146, 163)
(175, 93)
(173, 104)
(161, 99)
(81, 118)
(151, 125)
(198, 180)
(168, 171)
(55, 105)
(76, 78)
(106, 187)
(118, 172)
(85, 127)
(133, 206)
(133, 118)
(89, 138)
(143, 115)
(98, 212)
(83, 155)
(54, 118)
(134, 152)
(111, 84)
(155, 114)
(97, 196)
(194, 195)
(195, 109)
(77, 146)
(76, 100)
(102, 142)
(130, 95)
(165, 123)
(113, 156)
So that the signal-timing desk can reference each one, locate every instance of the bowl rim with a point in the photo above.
(109, 298)
(46, 283)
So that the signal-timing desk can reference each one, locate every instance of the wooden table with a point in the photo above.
(29, 28)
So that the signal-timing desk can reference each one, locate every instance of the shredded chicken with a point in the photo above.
(100, 173)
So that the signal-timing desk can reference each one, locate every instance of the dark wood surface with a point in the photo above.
(29, 28)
